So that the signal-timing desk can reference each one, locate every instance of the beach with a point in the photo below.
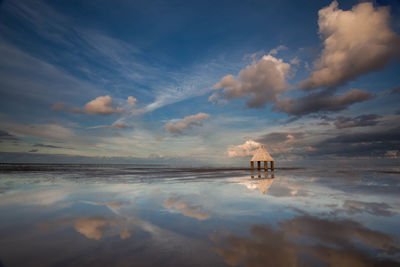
(132, 215)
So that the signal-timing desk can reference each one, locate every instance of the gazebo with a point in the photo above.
(262, 155)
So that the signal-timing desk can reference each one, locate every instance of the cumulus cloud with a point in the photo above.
(359, 121)
(261, 82)
(193, 211)
(355, 42)
(102, 105)
(244, 150)
(186, 123)
(323, 101)
(131, 101)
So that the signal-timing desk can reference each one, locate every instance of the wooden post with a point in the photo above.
(252, 164)
(272, 165)
(258, 165)
(266, 166)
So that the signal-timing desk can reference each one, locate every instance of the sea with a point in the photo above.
(156, 215)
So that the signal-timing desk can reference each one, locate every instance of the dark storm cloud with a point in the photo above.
(385, 135)
(5, 136)
(360, 144)
(279, 137)
(323, 101)
(359, 121)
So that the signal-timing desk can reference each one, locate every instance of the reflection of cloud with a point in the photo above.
(338, 244)
(193, 211)
(267, 248)
(379, 209)
(113, 206)
(125, 234)
(93, 227)
(262, 184)
(341, 233)
(40, 197)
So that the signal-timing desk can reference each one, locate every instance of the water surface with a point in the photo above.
(127, 215)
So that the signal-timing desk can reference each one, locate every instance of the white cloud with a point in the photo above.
(102, 105)
(131, 101)
(355, 42)
(186, 123)
(244, 150)
(261, 82)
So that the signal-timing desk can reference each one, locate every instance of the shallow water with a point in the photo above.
(126, 215)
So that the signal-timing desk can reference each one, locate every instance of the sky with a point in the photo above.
(199, 82)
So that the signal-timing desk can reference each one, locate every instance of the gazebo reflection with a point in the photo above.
(262, 182)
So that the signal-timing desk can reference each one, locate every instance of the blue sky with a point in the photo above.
(199, 81)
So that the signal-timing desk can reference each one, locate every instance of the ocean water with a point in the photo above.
(130, 215)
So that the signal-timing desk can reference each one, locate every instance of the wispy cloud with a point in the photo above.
(5, 136)
(45, 131)
(359, 121)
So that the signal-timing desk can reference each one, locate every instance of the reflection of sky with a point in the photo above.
(218, 221)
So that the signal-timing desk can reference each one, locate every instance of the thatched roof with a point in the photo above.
(262, 155)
